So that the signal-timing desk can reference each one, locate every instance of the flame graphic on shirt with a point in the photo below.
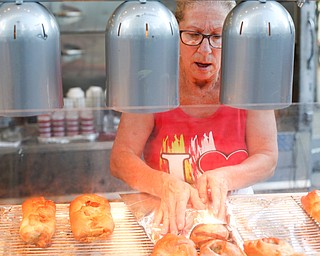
(194, 149)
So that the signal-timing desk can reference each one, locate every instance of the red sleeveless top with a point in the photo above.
(187, 146)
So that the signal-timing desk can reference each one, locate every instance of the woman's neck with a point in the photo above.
(199, 93)
(196, 97)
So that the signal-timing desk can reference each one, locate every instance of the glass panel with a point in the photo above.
(58, 156)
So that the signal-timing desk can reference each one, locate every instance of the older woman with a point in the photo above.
(193, 156)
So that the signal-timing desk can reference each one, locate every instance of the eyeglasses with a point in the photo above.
(193, 38)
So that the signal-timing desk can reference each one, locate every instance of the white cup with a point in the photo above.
(95, 96)
(75, 92)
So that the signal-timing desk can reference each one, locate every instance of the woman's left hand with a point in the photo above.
(213, 190)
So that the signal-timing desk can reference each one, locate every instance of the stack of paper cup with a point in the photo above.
(44, 126)
(72, 118)
(57, 122)
(87, 122)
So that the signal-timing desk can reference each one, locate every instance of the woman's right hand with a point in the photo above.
(175, 197)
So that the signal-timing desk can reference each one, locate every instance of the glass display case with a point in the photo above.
(25, 144)
(66, 152)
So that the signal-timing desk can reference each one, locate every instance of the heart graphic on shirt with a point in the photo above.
(215, 159)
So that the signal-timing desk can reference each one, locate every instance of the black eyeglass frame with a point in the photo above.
(203, 37)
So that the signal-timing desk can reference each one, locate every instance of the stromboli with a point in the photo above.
(38, 221)
(174, 245)
(270, 246)
(203, 233)
(311, 204)
(90, 218)
(220, 247)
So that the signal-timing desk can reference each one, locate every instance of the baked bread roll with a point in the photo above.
(38, 221)
(174, 245)
(90, 218)
(220, 247)
(203, 233)
(311, 204)
(268, 246)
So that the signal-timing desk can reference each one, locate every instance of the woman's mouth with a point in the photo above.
(202, 65)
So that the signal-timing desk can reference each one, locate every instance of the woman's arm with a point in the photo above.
(126, 163)
(261, 138)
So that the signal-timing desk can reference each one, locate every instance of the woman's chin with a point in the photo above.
(205, 76)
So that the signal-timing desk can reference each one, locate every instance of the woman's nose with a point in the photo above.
(205, 47)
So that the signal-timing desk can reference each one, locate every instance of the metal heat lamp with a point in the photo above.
(257, 56)
(30, 74)
(142, 58)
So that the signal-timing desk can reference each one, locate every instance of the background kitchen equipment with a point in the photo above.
(82, 28)
(30, 75)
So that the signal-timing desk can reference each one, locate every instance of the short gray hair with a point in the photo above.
(183, 4)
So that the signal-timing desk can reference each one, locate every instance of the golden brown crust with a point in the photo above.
(38, 221)
(174, 245)
(220, 247)
(268, 246)
(311, 204)
(90, 218)
(203, 233)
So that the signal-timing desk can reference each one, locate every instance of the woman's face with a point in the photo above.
(202, 62)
